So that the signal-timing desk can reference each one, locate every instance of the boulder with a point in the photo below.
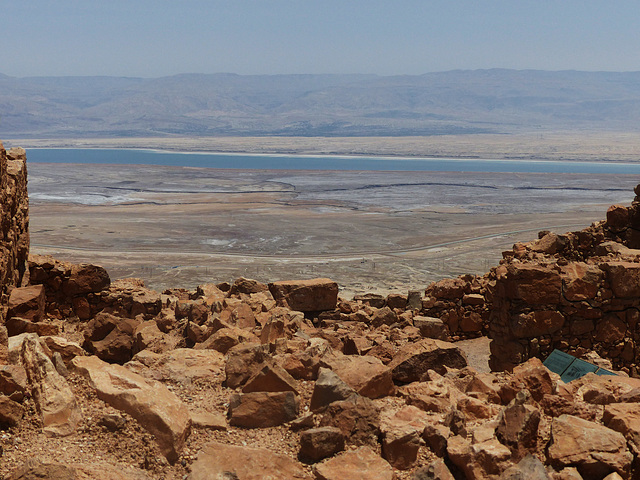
(437, 470)
(221, 461)
(157, 409)
(53, 397)
(357, 417)
(86, 279)
(624, 278)
(262, 409)
(271, 378)
(182, 365)
(13, 382)
(479, 461)
(306, 295)
(27, 303)
(624, 418)
(110, 337)
(355, 465)
(319, 443)
(247, 286)
(593, 449)
(329, 388)
(529, 468)
(367, 375)
(518, 428)
(34, 469)
(10, 412)
(402, 435)
(413, 360)
(243, 361)
(536, 323)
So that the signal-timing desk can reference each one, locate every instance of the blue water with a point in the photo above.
(284, 162)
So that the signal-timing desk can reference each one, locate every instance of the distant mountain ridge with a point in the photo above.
(460, 101)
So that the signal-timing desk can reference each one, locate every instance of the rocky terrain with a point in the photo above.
(285, 380)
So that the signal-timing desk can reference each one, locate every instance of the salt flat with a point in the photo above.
(383, 231)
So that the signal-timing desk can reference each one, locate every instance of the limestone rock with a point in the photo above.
(306, 295)
(593, 449)
(262, 409)
(413, 360)
(220, 461)
(54, 399)
(156, 408)
(355, 465)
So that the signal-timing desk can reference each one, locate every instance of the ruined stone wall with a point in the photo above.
(14, 204)
(578, 293)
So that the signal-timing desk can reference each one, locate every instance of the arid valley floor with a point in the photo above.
(369, 231)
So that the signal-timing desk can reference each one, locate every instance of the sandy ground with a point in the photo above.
(369, 231)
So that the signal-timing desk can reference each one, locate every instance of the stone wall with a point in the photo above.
(14, 204)
(578, 292)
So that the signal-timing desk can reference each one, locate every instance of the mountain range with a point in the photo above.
(454, 102)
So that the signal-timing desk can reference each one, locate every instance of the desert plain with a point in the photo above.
(369, 231)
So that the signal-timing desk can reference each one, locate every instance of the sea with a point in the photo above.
(310, 162)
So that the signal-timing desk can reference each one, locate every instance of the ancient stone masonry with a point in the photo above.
(578, 292)
(14, 202)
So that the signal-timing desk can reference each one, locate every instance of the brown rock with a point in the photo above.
(625, 418)
(431, 327)
(365, 374)
(182, 365)
(436, 436)
(479, 461)
(384, 316)
(329, 388)
(86, 279)
(593, 449)
(529, 468)
(533, 284)
(448, 288)
(243, 361)
(372, 299)
(357, 417)
(27, 303)
(10, 412)
(156, 408)
(271, 378)
(396, 300)
(617, 217)
(262, 409)
(549, 244)
(67, 349)
(355, 465)
(209, 420)
(54, 399)
(536, 323)
(35, 469)
(413, 360)
(247, 286)
(110, 337)
(402, 435)
(610, 330)
(437, 470)
(518, 428)
(624, 278)
(531, 375)
(306, 295)
(220, 461)
(581, 281)
(13, 382)
(321, 442)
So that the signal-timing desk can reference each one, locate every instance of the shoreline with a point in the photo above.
(611, 147)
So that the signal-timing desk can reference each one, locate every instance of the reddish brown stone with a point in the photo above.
(86, 279)
(262, 409)
(321, 442)
(536, 323)
(413, 360)
(355, 465)
(27, 303)
(306, 295)
(533, 284)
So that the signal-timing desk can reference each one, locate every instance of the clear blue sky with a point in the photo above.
(151, 38)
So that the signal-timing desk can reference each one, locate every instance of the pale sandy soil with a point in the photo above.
(581, 145)
(369, 231)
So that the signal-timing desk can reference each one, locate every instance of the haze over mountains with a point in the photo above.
(478, 101)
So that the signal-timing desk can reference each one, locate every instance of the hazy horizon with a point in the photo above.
(151, 39)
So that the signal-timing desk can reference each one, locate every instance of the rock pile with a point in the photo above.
(288, 381)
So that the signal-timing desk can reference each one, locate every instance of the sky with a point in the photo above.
(154, 38)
